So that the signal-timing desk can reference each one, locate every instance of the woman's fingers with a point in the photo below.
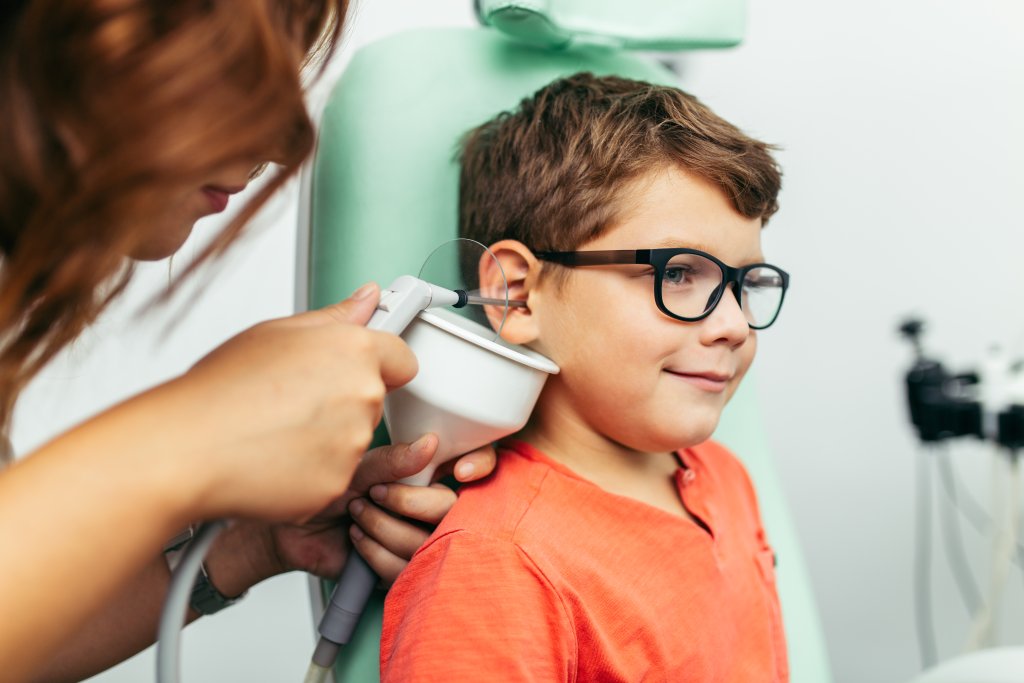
(287, 460)
(471, 466)
(384, 563)
(383, 532)
(401, 537)
(390, 463)
(358, 308)
(397, 363)
(427, 504)
(476, 465)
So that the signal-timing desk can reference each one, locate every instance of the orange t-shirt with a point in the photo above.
(539, 575)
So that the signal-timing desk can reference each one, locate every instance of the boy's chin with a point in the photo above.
(700, 430)
(694, 432)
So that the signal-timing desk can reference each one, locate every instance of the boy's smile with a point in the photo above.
(630, 375)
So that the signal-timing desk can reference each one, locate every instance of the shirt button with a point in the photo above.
(689, 476)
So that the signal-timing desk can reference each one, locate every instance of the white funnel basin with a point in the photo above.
(470, 390)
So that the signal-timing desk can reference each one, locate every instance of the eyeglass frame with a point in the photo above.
(659, 259)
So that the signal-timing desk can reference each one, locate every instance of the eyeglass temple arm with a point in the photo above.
(595, 258)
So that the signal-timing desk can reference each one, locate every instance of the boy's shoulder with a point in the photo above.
(498, 506)
(541, 507)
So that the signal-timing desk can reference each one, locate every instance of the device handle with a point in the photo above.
(347, 601)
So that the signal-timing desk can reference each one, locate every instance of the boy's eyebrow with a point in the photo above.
(673, 243)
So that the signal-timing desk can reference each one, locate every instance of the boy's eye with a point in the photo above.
(675, 274)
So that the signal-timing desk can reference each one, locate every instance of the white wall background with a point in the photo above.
(900, 123)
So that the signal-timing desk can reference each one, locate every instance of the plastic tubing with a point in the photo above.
(1003, 547)
(924, 620)
(316, 673)
(172, 619)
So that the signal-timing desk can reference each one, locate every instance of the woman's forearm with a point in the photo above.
(80, 519)
(269, 426)
(128, 622)
(125, 625)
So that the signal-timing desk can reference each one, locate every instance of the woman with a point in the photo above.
(124, 121)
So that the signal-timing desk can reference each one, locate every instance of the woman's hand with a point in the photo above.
(388, 542)
(391, 527)
(277, 418)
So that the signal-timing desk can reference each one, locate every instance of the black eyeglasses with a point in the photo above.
(688, 283)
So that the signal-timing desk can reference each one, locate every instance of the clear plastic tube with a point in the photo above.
(316, 673)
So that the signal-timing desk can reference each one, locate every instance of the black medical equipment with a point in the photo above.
(987, 405)
(944, 405)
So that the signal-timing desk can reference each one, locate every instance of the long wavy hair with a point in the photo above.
(160, 95)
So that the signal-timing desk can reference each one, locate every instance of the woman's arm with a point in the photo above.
(79, 519)
(269, 426)
(249, 551)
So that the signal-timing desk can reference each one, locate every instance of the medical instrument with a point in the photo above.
(987, 404)
(470, 391)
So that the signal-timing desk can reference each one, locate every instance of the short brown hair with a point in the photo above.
(548, 173)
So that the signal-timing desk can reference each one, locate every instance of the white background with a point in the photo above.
(901, 136)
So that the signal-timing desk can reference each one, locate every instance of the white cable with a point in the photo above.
(1002, 555)
(172, 619)
(949, 522)
(1015, 507)
(971, 510)
(922, 563)
(983, 632)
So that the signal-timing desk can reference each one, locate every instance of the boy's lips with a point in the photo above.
(714, 382)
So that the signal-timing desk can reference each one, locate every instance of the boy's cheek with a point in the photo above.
(749, 352)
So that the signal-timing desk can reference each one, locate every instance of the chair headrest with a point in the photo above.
(635, 25)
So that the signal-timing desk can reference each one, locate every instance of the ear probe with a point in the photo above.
(486, 301)
(407, 296)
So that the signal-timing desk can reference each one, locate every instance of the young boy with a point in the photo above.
(614, 542)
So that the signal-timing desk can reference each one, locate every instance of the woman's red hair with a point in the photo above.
(154, 97)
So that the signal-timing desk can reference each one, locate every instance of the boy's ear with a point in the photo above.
(521, 270)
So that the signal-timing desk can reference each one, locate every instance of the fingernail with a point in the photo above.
(363, 291)
(356, 507)
(378, 492)
(356, 532)
(420, 444)
(464, 470)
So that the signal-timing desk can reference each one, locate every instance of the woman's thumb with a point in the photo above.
(357, 308)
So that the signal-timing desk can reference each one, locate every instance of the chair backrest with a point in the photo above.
(642, 25)
(384, 195)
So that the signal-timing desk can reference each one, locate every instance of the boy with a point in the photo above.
(614, 542)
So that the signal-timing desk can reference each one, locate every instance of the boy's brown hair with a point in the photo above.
(548, 173)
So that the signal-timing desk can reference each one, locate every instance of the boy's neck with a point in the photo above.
(563, 436)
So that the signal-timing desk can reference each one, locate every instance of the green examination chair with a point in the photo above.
(384, 195)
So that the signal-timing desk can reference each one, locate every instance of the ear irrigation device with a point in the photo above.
(470, 391)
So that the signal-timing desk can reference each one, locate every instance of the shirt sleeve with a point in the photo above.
(473, 608)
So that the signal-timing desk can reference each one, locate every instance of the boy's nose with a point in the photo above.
(727, 323)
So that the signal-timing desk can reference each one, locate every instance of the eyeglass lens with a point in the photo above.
(690, 285)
